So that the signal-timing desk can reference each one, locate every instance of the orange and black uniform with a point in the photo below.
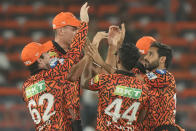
(48, 95)
(47, 101)
(162, 106)
(121, 98)
(68, 59)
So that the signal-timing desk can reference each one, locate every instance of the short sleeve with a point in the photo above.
(157, 80)
(98, 82)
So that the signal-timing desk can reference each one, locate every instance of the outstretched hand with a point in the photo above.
(92, 52)
(116, 35)
(122, 36)
(84, 13)
(98, 37)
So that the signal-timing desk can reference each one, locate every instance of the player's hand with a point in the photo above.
(85, 49)
(122, 36)
(114, 35)
(98, 37)
(94, 54)
(84, 13)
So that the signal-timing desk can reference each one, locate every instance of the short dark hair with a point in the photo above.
(164, 50)
(128, 55)
(34, 67)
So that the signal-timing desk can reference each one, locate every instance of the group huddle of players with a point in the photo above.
(135, 90)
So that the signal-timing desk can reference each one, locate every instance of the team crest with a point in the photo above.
(151, 75)
(95, 80)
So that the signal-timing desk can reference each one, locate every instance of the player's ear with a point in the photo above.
(162, 60)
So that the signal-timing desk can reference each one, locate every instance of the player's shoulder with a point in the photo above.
(100, 78)
(139, 83)
(48, 44)
(158, 73)
(26, 84)
(51, 48)
(164, 74)
(103, 76)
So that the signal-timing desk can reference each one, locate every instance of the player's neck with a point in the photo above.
(62, 44)
(161, 67)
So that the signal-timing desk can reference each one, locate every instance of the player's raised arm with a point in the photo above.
(115, 40)
(86, 75)
(80, 37)
(94, 53)
(84, 13)
(98, 37)
(78, 68)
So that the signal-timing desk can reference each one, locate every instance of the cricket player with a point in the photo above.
(44, 93)
(162, 87)
(121, 96)
(66, 48)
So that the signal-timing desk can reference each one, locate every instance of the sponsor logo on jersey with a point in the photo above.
(162, 72)
(95, 80)
(52, 53)
(151, 75)
(53, 62)
(128, 92)
(61, 60)
(35, 88)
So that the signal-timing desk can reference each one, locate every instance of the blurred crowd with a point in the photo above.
(172, 22)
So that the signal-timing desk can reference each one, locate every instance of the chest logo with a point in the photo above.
(128, 92)
(35, 88)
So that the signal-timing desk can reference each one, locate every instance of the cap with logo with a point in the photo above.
(63, 19)
(144, 43)
(31, 52)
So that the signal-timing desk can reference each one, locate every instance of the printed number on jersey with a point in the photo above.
(34, 112)
(116, 104)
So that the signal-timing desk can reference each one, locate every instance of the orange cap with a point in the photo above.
(144, 43)
(31, 52)
(48, 45)
(64, 19)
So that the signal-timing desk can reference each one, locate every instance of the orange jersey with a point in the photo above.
(52, 100)
(68, 59)
(47, 102)
(57, 96)
(162, 105)
(121, 98)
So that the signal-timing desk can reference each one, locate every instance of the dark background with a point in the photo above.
(169, 21)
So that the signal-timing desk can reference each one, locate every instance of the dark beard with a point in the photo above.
(152, 66)
(141, 67)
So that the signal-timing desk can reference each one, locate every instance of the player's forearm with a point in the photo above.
(78, 43)
(80, 37)
(86, 75)
(111, 57)
(108, 68)
(76, 70)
